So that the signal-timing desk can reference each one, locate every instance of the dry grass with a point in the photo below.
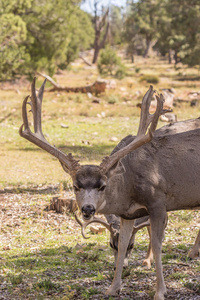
(89, 134)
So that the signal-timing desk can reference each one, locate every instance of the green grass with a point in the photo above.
(150, 79)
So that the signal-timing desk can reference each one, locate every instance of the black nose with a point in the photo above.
(88, 211)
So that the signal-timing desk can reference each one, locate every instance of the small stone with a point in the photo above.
(114, 139)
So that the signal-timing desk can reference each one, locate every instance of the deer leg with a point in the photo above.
(194, 252)
(129, 250)
(126, 228)
(149, 257)
(158, 220)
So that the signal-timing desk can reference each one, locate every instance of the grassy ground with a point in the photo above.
(42, 254)
(90, 126)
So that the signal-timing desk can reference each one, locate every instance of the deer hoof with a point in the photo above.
(147, 262)
(160, 295)
(194, 253)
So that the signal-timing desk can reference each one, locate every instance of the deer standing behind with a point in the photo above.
(149, 176)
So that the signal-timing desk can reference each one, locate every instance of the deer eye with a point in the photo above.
(102, 188)
(76, 189)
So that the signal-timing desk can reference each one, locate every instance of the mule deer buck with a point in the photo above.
(149, 176)
(113, 222)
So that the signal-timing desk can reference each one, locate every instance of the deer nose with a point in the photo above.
(88, 211)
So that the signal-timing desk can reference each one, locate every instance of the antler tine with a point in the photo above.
(141, 137)
(83, 226)
(159, 111)
(136, 228)
(94, 220)
(36, 102)
(70, 164)
(145, 116)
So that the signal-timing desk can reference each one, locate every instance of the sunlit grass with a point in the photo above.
(73, 123)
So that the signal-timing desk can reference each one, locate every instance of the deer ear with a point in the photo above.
(118, 170)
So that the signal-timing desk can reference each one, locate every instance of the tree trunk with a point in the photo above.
(176, 56)
(96, 53)
(132, 58)
(62, 205)
(148, 43)
(169, 57)
(100, 23)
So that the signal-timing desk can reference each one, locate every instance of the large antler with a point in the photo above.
(146, 119)
(67, 161)
(108, 226)
(94, 220)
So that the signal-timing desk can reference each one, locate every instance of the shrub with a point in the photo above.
(121, 72)
(47, 284)
(137, 70)
(149, 78)
(110, 64)
(15, 279)
(112, 99)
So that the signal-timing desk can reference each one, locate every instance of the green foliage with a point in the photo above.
(121, 71)
(37, 35)
(173, 24)
(110, 64)
(179, 28)
(116, 25)
(13, 54)
(137, 70)
(100, 276)
(87, 293)
(15, 279)
(81, 37)
(108, 61)
(141, 25)
(178, 275)
(112, 99)
(47, 284)
(54, 29)
(149, 78)
(194, 286)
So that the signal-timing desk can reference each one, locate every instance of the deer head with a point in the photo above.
(89, 181)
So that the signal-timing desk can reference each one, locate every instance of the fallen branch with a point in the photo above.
(182, 100)
(85, 61)
(96, 88)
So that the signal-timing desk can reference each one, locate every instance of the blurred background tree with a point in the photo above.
(144, 15)
(40, 34)
(172, 27)
(37, 35)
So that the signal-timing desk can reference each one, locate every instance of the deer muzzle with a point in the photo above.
(88, 211)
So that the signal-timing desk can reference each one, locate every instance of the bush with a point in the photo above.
(137, 70)
(121, 72)
(110, 64)
(112, 99)
(149, 78)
